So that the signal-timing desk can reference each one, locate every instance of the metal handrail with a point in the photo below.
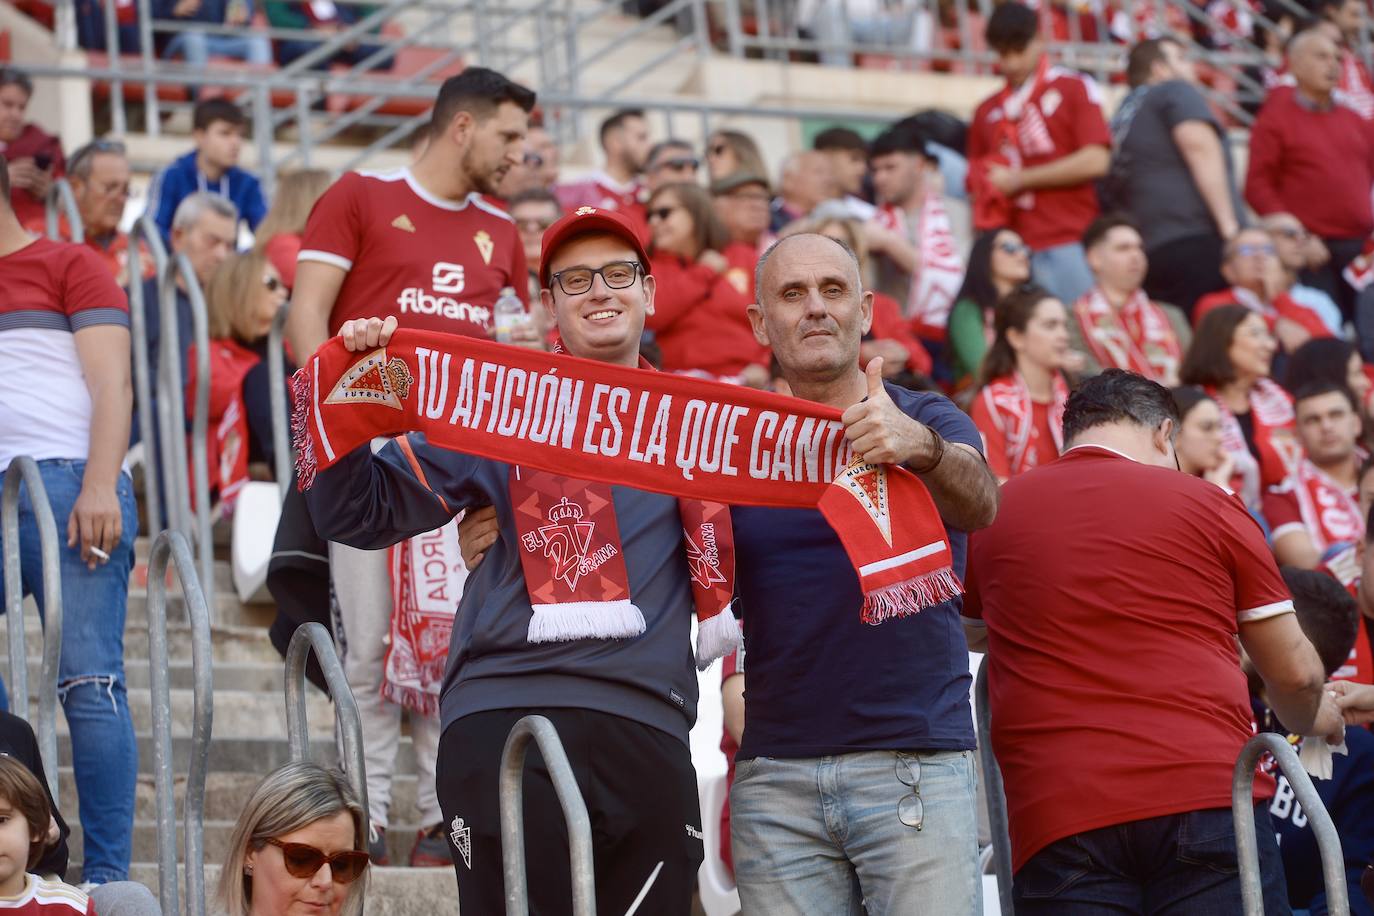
(283, 455)
(172, 412)
(1323, 830)
(512, 801)
(172, 545)
(144, 231)
(314, 637)
(24, 470)
(62, 202)
(994, 791)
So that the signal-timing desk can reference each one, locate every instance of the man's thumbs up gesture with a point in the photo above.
(880, 433)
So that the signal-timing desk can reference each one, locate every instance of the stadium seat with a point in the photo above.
(256, 512)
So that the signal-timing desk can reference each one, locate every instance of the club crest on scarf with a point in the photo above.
(867, 483)
(374, 380)
(565, 540)
(703, 560)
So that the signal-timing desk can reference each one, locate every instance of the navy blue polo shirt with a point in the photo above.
(821, 681)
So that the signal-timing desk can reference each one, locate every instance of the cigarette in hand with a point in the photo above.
(100, 553)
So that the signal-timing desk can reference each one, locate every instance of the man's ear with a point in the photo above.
(1163, 437)
(546, 297)
(866, 307)
(650, 288)
(460, 128)
(755, 313)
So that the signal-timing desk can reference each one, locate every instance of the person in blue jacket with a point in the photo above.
(1329, 617)
(217, 128)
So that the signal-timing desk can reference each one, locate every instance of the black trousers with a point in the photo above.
(641, 794)
(1183, 271)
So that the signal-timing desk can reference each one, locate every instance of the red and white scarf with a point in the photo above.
(1137, 337)
(1018, 130)
(1353, 90)
(1330, 512)
(427, 578)
(1271, 411)
(697, 440)
(1009, 405)
(939, 270)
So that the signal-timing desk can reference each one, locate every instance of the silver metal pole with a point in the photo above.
(1247, 844)
(262, 136)
(994, 792)
(62, 202)
(314, 637)
(282, 453)
(171, 406)
(734, 33)
(305, 142)
(25, 470)
(172, 545)
(143, 230)
(512, 801)
(117, 119)
(200, 418)
(152, 118)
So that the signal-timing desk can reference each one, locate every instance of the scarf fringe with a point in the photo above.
(910, 596)
(717, 637)
(420, 701)
(300, 430)
(585, 620)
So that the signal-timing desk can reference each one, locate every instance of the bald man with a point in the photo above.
(807, 179)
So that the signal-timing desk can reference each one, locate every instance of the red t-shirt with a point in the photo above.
(1114, 679)
(434, 264)
(701, 320)
(115, 254)
(1063, 119)
(1041, 449)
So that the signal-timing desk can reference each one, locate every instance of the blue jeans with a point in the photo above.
(838, 835)
(198, 47)
(90, 678)
(1063, 270)
(1176, 865)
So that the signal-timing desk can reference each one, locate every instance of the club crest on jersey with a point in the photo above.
(374, 380)
(462, 840)
(867, 483)
(703, 561)
(403, 223)
(585, 211)
(485, 246)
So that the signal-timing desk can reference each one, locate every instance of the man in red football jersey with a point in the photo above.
(420, 244)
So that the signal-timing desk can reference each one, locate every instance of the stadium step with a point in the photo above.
(390, 892)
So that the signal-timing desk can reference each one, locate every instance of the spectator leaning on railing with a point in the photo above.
(35, 156)
(65, 401)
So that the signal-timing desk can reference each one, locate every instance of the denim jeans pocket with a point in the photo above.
(746, 768)
(1208, 839)
(1053, 870)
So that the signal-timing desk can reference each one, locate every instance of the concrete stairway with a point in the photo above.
(248, 740)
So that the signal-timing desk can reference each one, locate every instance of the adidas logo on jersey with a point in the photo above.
(403, 223)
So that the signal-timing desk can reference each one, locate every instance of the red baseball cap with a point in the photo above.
(587, 221)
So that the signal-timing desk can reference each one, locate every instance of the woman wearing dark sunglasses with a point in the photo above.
(299, 847)
(998, 263)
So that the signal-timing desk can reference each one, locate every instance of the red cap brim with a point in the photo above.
(590, 221)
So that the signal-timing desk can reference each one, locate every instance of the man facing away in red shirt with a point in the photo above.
(1117, 700)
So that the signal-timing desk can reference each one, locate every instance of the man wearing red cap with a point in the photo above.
(581, 613)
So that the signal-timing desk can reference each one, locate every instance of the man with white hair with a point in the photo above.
(807, 179)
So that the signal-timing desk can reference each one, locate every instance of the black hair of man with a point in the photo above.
(1143, 57)
(4, 182)
(616, 121)
(898, 140)
(1100, 228)
(662, 146)
(840, 138)
(1117, 396)
(1011, 27)
(1327, 614)
(535, 196)
(1321, 387)
(212, 110)
(479, 91)
(10, 76)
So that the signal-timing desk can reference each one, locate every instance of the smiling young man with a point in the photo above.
(622, 706)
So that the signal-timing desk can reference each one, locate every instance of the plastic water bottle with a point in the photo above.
(509, 314)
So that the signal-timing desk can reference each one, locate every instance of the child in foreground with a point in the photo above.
(25, 818)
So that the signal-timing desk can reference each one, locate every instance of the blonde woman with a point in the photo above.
(298, 847)
(279, 234)
(243, 296)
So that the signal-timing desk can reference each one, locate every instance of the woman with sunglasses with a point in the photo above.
(730, 151)
(998, 263)
(700, 318)
(242, 299)
(1020, 408)
(300, 846)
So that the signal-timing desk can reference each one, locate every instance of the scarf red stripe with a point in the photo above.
(589, 420)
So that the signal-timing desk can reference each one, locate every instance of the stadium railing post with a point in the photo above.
(118, 121)
(314, 637)
(283, 456)
(143, 232)
(512, 800)
(1323, 829)
(61, 202)
(173, 546)
(24, 470)
(993, 790)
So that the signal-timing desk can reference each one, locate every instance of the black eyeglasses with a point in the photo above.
(661, 213)
(911, 811)
(577, 280)
(304, 861)
(273, 284)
